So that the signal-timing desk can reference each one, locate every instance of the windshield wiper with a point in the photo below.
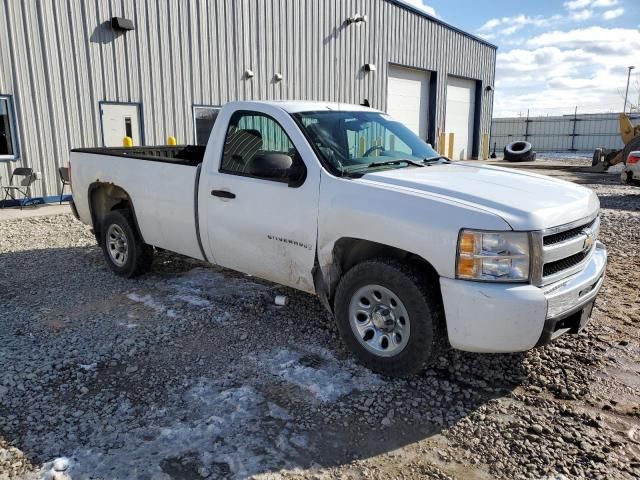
(435, 159)
(394, 162)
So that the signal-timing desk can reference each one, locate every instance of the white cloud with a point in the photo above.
(555, 71)
(578, 11)
(611, 14)
(604, 3)
(581, 10)
(577, 4)
(580, 4)
(581, 15)
(419, 4)
(510, 25)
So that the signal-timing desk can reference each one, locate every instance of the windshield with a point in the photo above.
(361, 141)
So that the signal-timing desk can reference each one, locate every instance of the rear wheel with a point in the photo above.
(125, 252)
(390, 316)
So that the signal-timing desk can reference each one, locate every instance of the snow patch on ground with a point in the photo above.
(128, 325)
(191, 299)
(319, 373)
(196, 288)
(204, 283)
(236, 430)
(148, 301)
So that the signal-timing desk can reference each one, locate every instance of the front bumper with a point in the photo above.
(486, 317)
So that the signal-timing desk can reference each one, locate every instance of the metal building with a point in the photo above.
(80, 73)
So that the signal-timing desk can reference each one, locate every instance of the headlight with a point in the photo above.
(493, 256)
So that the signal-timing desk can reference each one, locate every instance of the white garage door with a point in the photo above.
(408, 98)
(120, 120)
(459, 116)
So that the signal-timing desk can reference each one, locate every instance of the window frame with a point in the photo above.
(255, 113)
(13, 126)
(195, 106)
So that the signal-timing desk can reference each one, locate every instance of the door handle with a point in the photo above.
(223, 194)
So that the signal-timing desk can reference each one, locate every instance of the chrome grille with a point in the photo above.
(562, 251)
(560, 237)
(552, 268)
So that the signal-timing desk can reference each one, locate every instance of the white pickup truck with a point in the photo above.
(409, 251)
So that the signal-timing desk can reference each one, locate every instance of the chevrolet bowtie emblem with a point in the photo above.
(588, 242)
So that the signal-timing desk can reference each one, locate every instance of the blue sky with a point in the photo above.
(554, 55)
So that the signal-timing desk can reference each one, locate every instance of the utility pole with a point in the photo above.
(626, 95)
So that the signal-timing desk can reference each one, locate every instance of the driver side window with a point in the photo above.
(252, 137)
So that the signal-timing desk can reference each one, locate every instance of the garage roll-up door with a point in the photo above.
(408, 98)
(459, 117)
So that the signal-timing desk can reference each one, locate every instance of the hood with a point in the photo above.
(526, 201)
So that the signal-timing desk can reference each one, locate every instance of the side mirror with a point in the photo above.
(277, 166)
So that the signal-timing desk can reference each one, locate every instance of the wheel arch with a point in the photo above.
(349, 251)
(106, 197)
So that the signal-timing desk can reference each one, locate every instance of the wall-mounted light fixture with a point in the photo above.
(122, 24)
(277, 77)
(488, 88)
(357, 18)
(369, 67)
(248, 73)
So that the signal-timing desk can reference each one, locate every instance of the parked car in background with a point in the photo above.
(411, 252)
(631, 172)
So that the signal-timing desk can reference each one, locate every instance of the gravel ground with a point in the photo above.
(193, 372)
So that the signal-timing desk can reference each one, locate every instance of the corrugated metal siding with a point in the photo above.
(583, 133)
(60, 58)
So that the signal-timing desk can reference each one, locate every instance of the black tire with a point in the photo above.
(597, 157)
(632, 146)
(608, 158)
(518, 151)
(421, 298)
(139, 255)
(529, 157)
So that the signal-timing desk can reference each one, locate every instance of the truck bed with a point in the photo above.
(160, 181)
(179, 154)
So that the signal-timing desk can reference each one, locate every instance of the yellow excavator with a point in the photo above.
(630, 134)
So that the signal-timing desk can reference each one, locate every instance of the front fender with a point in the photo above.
(416, 222)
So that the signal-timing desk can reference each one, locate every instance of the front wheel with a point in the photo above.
(125, 252)
(390, 316)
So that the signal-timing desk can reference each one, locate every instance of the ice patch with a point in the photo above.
(88, 366)
(201, 282)
(319, 373)
(222, 318)
(191, 299)
(235, 428)
(148, 301)
(128, 325)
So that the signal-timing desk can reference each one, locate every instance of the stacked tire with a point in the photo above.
(519, 152)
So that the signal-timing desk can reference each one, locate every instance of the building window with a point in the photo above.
(203, 119)
(8, 133)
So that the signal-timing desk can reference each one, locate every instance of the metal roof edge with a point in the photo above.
(424, 14)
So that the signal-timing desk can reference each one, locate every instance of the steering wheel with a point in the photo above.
(373, 149)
